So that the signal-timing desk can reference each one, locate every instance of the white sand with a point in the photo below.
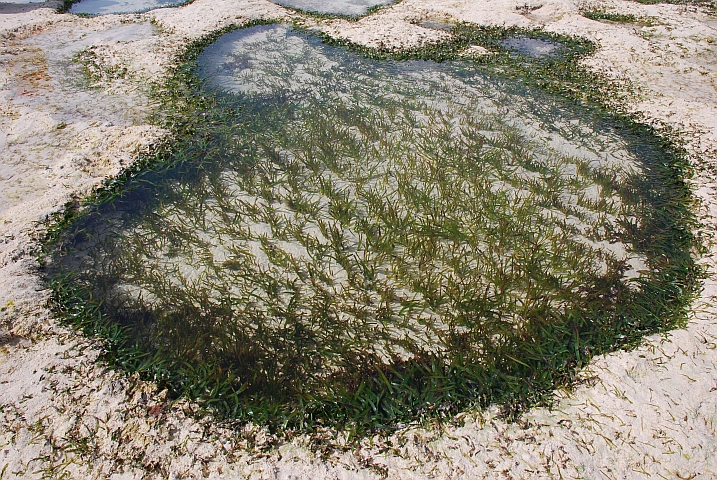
(648, 413)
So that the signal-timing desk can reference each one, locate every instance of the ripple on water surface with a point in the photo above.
(350, 240)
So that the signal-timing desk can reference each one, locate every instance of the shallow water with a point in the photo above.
(349, 8)
(445, 25)
(104, 7)
(334, 217)
(534, 47)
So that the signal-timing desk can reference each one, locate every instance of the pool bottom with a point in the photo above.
(376, 242)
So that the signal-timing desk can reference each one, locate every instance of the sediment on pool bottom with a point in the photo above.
(334, 217)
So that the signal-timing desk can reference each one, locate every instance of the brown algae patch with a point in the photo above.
(345, 240)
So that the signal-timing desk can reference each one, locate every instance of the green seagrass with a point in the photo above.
(361, 238)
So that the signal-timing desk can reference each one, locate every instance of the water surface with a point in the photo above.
(534, 47)
(350, 239)
(104, 7)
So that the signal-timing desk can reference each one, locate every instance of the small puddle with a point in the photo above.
(355, 240)
(349, 8)
(444, 25)
(105, 7)
(532, 47)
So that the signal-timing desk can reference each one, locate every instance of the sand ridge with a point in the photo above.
(646, 413)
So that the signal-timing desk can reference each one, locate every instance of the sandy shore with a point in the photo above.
(648, 413)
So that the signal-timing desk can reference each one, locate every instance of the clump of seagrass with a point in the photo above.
(352, 242)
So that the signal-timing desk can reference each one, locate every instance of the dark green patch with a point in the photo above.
(602, 15)
(66, 5)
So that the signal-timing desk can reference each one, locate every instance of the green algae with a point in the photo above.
(345, 241)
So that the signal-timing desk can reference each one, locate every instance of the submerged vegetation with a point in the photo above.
(603, 15)
(89, 8)
(362, 238)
